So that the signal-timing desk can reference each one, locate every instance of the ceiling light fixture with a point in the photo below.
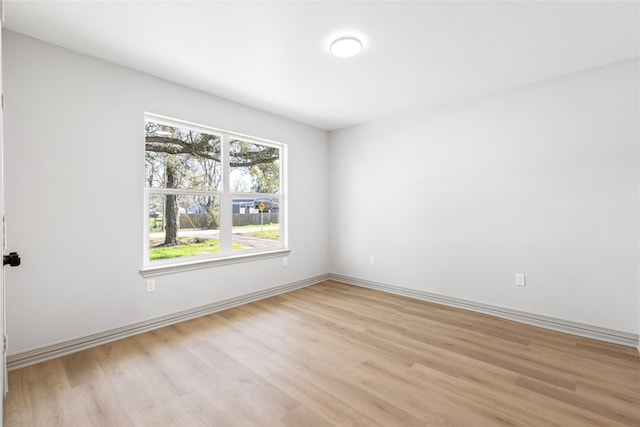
(346, 47)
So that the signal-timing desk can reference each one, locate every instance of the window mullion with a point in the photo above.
(226, 217)
(182, 191)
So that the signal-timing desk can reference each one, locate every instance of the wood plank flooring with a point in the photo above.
(335, 355)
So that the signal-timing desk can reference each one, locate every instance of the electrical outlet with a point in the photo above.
(285, 261)
(372, 259)
(520, 280)
(151, 285)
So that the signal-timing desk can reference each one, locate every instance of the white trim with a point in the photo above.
(283, 203)
(41, 354)
(178, 267)
(183, 192)
(226, 200)
(561, 325)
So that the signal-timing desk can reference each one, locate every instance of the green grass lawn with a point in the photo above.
(240, 227)
(266, 234)
(190, 247)
(187, 249)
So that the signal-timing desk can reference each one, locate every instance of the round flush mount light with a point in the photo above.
(346, 47)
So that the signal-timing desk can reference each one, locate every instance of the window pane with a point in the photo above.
(256, 223)
(183, 226)
(177, 157)
(255, 168)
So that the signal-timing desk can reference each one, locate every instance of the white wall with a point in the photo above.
(74, 173)
(541, 180)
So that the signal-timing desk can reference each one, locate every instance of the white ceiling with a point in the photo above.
(274, 55)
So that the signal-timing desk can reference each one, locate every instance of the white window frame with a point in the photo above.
(226, 254)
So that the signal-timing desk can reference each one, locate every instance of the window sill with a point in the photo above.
(152, 271)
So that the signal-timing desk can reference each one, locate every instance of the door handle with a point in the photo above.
(13, 259)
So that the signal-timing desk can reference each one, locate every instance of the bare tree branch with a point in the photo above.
(163, 144)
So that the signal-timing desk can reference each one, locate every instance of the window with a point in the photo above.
(211, 196)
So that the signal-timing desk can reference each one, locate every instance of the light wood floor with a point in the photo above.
(333, 354)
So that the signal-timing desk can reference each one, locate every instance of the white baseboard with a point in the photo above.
(561, 325)
(40, 354)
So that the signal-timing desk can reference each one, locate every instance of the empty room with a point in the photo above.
(320, 213)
